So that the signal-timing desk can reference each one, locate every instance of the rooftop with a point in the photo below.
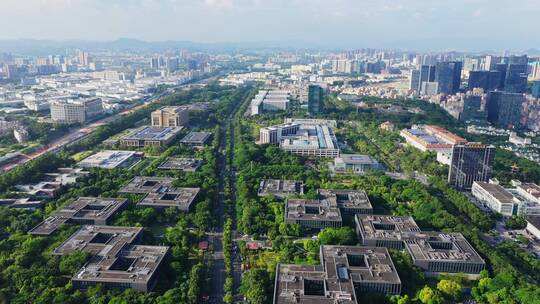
(110, 159)
(436, 246)
(153, 133)
(358, 159)
(183, 164)
(498, 192)
(342, 267)
(160, 192)
(280, 188)
(23, 203)
(115, 258)
(196, 138)
(346, 199)
(310, 209)
(386, 227)
(83, 210)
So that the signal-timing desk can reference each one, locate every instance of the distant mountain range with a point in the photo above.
(45, 47)
(32, 46)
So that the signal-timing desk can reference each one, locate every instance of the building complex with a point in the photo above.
(160, 193)
(344, 271)
(306, 137)
(270, 100)
(328, 210)
(115, 258)
(433, 252)
(524, 199)
(84, 210)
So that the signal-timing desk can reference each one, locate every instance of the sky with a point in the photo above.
(413, 24)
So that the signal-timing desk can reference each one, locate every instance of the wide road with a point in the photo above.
(82, 132)
(216, 238)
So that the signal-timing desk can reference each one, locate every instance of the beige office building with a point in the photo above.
(170, 117)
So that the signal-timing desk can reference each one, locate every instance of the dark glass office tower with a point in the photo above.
(472, 108)
(516, 74)
(501, 67)
(536, 89)
(448, 76)
(470, 162)
(315, 99)
(427, 74)
(504, 109)
(487, 80)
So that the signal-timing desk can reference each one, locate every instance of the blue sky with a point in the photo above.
(449, 24)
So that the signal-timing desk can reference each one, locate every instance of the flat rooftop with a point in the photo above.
(310, 136)
(110, 159)
(181, 163)
(22, 203)
(114, 257)
(181, 198)
(147, 184)
(99, 240)
(498, 192)
(531, 189)
(280, 188)
(346, 199)
(342, 267)
(81, 211)
(196, 138)
(358, 159)
(437, 246)
(153, 133)
(311, 210)
(160, 192)
(386, 227)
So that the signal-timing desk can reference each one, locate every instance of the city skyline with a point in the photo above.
(417, 25)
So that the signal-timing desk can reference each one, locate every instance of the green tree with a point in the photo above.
(449, 288)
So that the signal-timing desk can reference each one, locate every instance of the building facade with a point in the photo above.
(470, 162)
(170, 117)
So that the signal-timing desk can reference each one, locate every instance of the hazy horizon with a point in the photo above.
(407, 24)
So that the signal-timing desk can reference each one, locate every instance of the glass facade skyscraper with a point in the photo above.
(448, 76)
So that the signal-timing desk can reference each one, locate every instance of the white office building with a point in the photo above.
(75, 111)
(304, 137)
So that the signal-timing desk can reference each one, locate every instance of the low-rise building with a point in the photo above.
(437, 253)
(385, 230)
(328, 210)
(182, 164)
(270, 100)
(111, 159)
(160, 193)
(523, 200)
(344, 271)
(52, 182)
(150, 136)
(115, 262)
(280, 189)
(533, 225)
(355, 164)
(433, 138)
(84, 210)
(21, 203)
(196, 139)
(495, 197)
